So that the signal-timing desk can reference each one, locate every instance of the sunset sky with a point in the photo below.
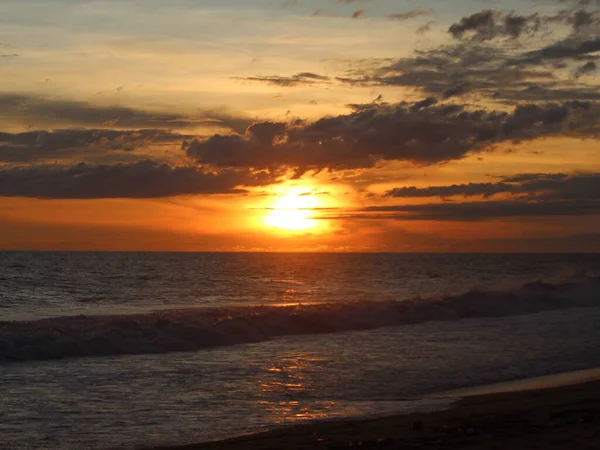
(300, 125)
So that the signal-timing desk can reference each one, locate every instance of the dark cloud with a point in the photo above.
(571, 48)
(425, 28)
(474, 211)
(464, 190)
(581, 21)
(40, 112)
(584, 21)
(480, 23)
(422, 132)
(529, 177)
(265, 133)
(581, 2)
(359, 13)
(489, 24)
(304, 78)
(410, 14)
(544, 187)
(487, 60)
(425, 103)
(454, 70)
(557, 187)
(143, 179)
(586, 69)
(536, 92)
(457, 90)
(34, 146)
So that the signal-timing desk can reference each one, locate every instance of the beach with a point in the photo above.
(565, 417)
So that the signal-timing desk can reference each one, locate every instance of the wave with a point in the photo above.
(194, 329)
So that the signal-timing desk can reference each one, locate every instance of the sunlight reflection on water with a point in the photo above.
(180, 398)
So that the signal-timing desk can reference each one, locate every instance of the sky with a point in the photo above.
(300, 125)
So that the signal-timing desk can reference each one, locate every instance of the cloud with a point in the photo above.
(581, 2)
(473, 211)
(425, 28)
(532, 195)
(465, 190)
(571, 48)
(586, 69)
(489, 24)
(483, 69)
(487, 60)
(558, 187)
(359, 13)
(40, 112)
(475, 68)
(304, 78)
(422, 132)
(528, 177)
(583, 21)
(410, 14)
(143, 179)
(535, 93)
(34, 146)
(546, 187)
(480, 23)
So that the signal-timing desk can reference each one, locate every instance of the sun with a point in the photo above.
(293, 211)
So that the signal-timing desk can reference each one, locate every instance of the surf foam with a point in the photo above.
(193, 329)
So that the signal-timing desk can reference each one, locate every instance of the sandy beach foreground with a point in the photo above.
(565, 417)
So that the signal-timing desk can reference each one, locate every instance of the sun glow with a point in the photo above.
(293, 211)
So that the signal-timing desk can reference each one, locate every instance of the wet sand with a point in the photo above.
(565, 417)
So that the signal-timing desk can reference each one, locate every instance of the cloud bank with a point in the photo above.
(143, 179)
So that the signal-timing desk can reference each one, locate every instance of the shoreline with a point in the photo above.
(554, 412)
(541, 383)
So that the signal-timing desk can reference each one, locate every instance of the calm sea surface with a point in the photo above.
(130, 350)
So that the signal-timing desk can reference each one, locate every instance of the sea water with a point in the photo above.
(133, 350)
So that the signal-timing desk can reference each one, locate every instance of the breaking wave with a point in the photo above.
(193, 329)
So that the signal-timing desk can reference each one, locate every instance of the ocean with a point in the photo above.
(134, 350)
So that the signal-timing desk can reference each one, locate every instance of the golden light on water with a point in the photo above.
(293, 211)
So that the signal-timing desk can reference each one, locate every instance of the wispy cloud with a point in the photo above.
(36, 146)
(303, 78)
(359, 13)
(349, 2)
(472, 211)
(42, 111)
(426, 28)
(410, 14)
(552, 186)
